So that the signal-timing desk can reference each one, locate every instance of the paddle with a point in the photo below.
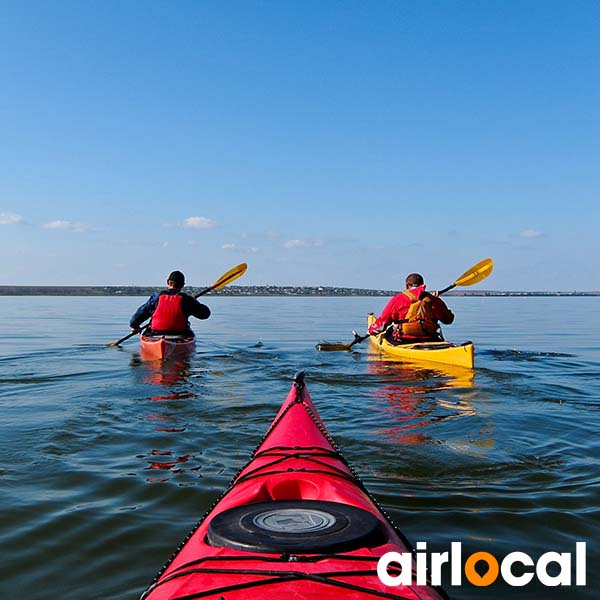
(225, 279)
(472, 276)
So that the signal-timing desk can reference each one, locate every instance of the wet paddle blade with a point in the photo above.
(476, 273)
(327, 347)
(230, 276)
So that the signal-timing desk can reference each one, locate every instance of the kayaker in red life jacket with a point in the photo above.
(170, 309)
(414, 313)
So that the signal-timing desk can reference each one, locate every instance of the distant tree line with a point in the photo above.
(260, 290)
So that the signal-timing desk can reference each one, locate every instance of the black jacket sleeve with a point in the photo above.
(192, 308)
(145, 311)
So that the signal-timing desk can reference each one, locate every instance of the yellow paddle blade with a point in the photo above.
(476, 273)
(230, 276)
(327, 347)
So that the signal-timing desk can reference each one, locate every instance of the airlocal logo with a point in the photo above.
(494, 568)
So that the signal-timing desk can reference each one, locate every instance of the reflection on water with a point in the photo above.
(452, 375)
(172, 374)
(417, 398)
(164, 461)
(163, 372)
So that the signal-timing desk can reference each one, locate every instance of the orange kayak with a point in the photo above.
(159, 347)
(296, 522)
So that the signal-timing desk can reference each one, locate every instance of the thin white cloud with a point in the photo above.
(199, 223)
(67, 226)
(235, 247)
(7, 218)
(530, 233)
(302, 244)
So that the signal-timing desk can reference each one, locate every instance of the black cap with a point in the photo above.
(178, 279)
(414, 279)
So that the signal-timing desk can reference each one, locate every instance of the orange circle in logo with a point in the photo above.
(487, 578)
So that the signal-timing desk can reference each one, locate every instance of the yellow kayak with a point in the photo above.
(462, 355)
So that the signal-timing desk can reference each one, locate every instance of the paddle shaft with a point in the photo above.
(358, 339)
(446, 289)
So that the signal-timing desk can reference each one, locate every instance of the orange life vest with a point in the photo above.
(169, 315)
(419, 321)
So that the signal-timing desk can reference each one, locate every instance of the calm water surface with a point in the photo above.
(106, 462)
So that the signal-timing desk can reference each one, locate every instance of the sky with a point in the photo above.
(334, 143)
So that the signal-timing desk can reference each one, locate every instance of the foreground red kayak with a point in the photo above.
(295, 523)
(158, 347)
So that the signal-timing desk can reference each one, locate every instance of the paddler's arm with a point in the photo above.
(387, 316)
(144, 312)
(440, 311)
(191, 307)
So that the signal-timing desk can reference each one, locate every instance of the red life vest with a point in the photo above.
(169, 315)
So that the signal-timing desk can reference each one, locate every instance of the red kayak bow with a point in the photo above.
(295, 523)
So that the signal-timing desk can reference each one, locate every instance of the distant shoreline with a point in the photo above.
(256, 290)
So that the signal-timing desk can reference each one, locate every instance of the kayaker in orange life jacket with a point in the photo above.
(170, 309)
(415, 314)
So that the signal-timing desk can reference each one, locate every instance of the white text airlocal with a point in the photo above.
(429, 571)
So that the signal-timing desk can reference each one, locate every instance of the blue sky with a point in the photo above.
(322, 142)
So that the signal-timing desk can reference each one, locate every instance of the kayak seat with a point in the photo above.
(399, 341)
(166, 333)
(295, 526)
(169, 337)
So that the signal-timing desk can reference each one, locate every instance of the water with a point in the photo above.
(106, 462)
